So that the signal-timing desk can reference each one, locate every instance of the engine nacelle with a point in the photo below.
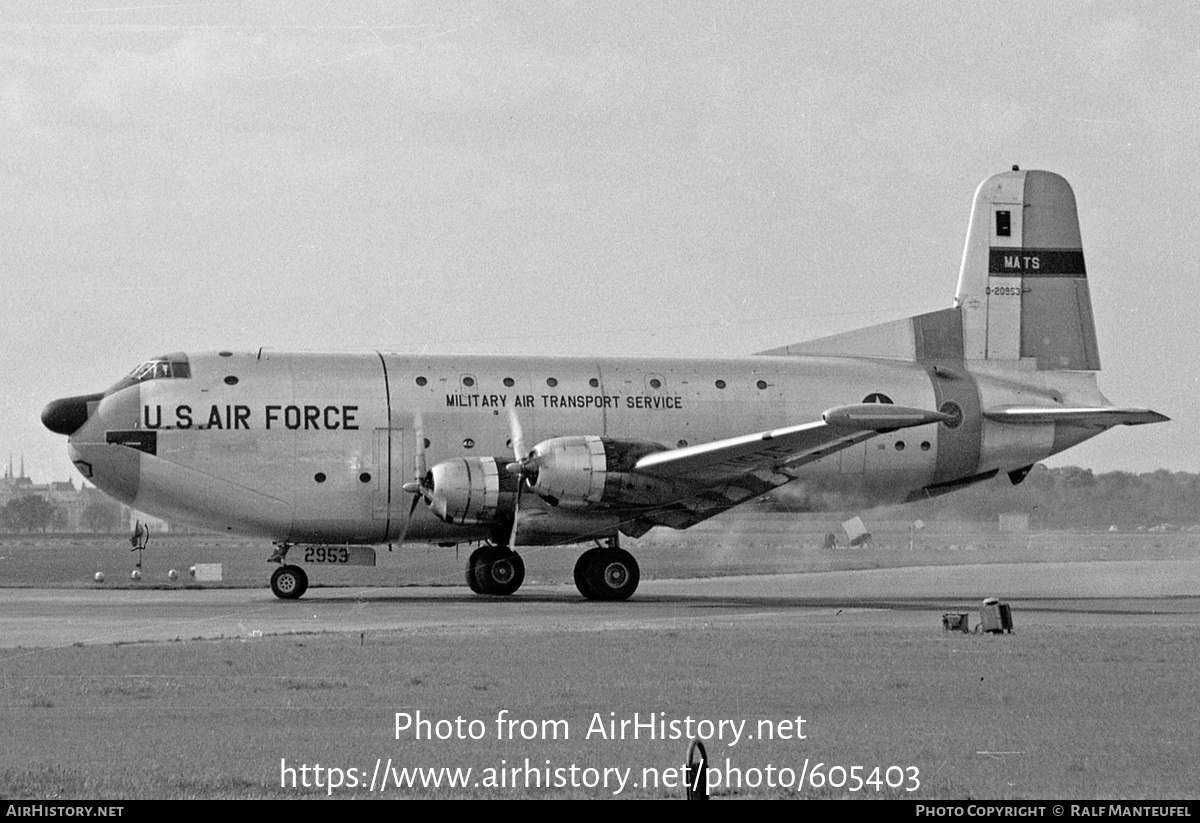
(471, 491)
(591, 470)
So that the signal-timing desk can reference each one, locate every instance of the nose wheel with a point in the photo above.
(289, 582)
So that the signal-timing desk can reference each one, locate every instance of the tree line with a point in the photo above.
(34, 513)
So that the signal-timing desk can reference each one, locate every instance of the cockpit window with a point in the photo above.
(156, 368)
(159, 368)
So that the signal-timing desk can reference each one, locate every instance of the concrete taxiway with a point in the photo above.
(1163, 593)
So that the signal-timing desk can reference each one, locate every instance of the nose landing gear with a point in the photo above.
(288, 582)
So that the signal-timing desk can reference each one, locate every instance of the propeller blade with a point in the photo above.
(516, 437)
(419, 468)
(416, 487)
(512, 536)
(411, 511)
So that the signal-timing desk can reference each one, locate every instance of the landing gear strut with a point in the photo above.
(495, 570)
(288, 582)
(607, 573)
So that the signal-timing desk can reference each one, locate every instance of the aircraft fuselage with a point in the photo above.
(314, 447)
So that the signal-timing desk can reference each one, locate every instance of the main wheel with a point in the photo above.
(499, 570)
(472, 577)
(612, 574)
(289, 582)
(581, 567)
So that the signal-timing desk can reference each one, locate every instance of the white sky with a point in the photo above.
(588, 178)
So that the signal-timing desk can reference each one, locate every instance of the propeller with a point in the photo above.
(522, 467)
(418, 487)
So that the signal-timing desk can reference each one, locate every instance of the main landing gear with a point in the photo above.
(495, 570)
(607, 573)
(288, 582)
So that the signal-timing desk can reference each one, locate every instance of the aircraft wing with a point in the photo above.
(727, 472)
(1102, 417)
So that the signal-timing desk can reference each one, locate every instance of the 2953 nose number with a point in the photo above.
(326, 554)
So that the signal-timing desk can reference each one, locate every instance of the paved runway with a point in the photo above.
(1146, 593)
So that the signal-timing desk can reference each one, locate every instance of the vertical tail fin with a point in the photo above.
(1022, 288)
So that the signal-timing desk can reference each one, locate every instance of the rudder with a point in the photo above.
(1022, 288)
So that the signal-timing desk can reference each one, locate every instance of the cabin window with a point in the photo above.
(508, 381)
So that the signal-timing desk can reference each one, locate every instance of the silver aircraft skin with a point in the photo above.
(337, 452)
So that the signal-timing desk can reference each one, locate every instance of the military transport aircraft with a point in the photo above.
(337, 452)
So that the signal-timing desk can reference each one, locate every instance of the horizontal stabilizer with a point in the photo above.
(1099, 418)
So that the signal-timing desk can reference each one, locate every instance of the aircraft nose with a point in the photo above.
(67, 414)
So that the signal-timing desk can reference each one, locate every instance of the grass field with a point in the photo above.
(1063, 713)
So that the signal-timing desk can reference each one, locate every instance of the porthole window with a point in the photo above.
(762, 384)
(365, 477)
(231, 380)
(468, 443)
(319, 477)
(508, 381)
(426, 442)
(225, 353)
(655, 383)
(421, 381)
(594, 383)
(720, 384)
(925, 446)
(899, 445)
(551, 382)
(468, 381)
(682, 444)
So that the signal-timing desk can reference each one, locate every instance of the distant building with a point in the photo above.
(71, 504)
